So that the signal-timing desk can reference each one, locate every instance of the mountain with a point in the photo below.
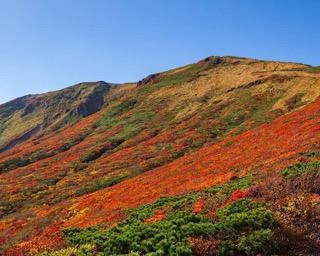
(220, 157)
(26, 117)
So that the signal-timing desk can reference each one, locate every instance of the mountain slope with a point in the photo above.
(32, 115)
(185, 129)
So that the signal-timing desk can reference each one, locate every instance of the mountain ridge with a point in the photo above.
(202, 60)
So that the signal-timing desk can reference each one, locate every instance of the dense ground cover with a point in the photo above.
(229, 219)
(180, 131)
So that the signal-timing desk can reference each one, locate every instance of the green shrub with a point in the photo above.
(311, 154)
(129, 130)
(160, 238)
(243, 227)
(188, 74)
(259, 242)
(227, 248)
(74, 141)
(77, 167)
(109, 117)
(242, 215)
(100, 184)
(95, 154)
(315, 69)
(240, 206)
(300, 169)
(170, 236)
(25, 160)
(122, 107)
(236, 184)
(78, 236)
(295, 101)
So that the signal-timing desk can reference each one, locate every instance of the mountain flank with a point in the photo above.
(219, 157)
(32, 115)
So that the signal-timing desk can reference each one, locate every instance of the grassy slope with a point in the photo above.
(152, 125)
(54, 109)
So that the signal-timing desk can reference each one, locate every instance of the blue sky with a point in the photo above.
(51, 44)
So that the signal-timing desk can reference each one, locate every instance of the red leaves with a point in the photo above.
(268, 147)
(158, 216)
(237, 194)
(198, 206)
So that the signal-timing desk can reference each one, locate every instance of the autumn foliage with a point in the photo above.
(150, 142)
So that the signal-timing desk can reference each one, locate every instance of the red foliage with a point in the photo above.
(268, 147)
(198, 206)
(158, 216)
(238, 194)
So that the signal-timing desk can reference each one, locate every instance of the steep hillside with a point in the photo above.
(32, 115)
(180, 134)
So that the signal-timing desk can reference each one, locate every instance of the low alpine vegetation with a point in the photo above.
(243, 227)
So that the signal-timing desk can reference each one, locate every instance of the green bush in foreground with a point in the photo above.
(243, 226)
(258, 242)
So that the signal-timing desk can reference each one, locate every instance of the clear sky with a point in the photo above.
(51, 44)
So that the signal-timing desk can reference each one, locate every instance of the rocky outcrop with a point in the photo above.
(151, 79)
(21, 139)
(10, 107)
(33, 115)
(213, 60)
(93, 102)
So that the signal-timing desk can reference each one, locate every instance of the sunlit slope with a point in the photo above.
(171, 133)
(267, 148)
(32, 115)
